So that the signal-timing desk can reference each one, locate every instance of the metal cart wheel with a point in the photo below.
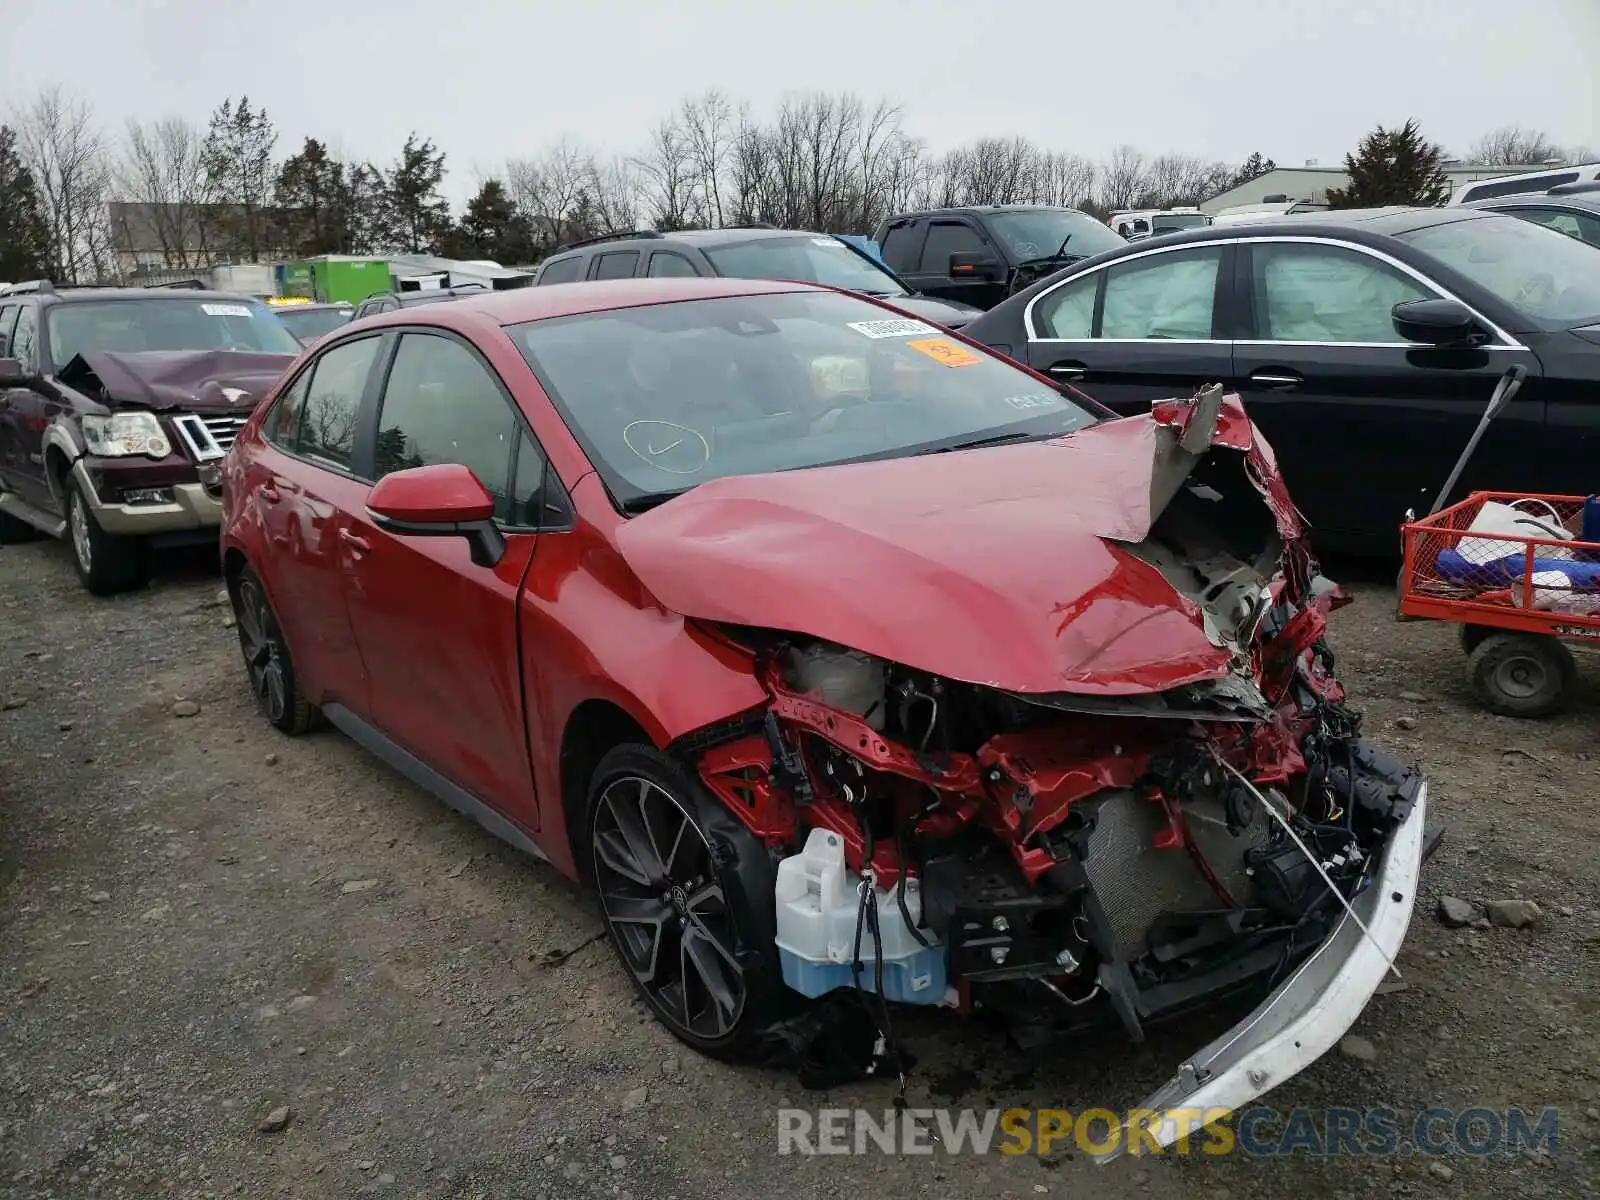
(1521, 674)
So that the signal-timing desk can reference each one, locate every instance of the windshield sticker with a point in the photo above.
(1033, 400)
(943, 350)
(892, 328)
(226, 310)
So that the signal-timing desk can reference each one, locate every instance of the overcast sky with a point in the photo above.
(489, 79)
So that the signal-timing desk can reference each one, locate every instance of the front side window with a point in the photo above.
(1552, 278)
(1315, 293)
(823, 260)
(664, 264)
(166, 323)
(333, 401)
(281, 426)
(442, 405)
(8, 318)
(946, 238)
(666, 396)
(1163, 296)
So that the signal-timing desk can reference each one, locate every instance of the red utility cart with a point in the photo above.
(1513, 633)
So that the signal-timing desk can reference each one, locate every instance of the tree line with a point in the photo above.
(192, 194)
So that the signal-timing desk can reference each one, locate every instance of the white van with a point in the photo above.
(1265, 211)
(1153, 222)
(1528, 181)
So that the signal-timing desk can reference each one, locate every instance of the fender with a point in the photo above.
(63, 435)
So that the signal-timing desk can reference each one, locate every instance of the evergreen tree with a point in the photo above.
(1393, 166)
(24, 233)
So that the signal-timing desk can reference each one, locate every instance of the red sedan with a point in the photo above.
(846, 660)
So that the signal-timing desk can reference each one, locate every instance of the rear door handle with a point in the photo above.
(269, 493)
(1276, 379)
(357, 543)
(1068, 371)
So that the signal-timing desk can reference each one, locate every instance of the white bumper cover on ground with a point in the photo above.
(1305, 1016)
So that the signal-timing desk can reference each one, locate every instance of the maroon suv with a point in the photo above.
(116, 406)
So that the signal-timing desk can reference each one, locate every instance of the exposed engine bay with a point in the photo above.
(1060, 856)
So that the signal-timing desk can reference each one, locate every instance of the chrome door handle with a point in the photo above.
(1276, 378)
(1067, 371)
(359, 544)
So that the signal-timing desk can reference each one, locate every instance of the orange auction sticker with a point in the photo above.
(951, 354)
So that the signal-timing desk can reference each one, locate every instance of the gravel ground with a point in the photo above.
(202, 922)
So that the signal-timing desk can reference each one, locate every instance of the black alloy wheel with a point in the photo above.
(699, 952)
(266, 657)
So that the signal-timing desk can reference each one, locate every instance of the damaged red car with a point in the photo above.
(849, 663)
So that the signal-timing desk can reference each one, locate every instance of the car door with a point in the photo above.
(438, 633)
(29, 407)
(1366, 424)
(1138, 329)
(305, 484)
(10, 440)
(958, 235)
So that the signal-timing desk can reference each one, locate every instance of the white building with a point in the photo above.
(1311, 182)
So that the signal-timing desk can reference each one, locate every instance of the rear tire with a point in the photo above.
(686, 892)
(105, 564)
(267, 660)
(1522, 674)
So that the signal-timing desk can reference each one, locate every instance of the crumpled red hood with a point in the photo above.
(194, 380)
(997, 566)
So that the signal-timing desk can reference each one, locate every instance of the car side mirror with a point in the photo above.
(444, 500)
(10, 368)
(1437, 323)
(974, 264)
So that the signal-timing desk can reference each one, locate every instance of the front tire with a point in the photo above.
(687, 895)
(267, 659)
(105, 564)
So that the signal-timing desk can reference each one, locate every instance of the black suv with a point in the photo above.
(981, 254)
(116, 407)
(745, 252)
(382, 302)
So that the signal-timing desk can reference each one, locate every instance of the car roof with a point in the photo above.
(1588, 202)
(981, 209)
(517, 305)
(1352, 223)
(692, 237)
(79, 295)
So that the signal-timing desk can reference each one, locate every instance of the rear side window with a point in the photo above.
(24, 336)
(333, 401)
(619, 264)
(900, 247)
(561, 270)
(281, 426)
(8, 318)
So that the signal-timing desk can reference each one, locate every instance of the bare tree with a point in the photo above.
(59, 141)
(614, 188)
(162, 169)
(1065, 179)
(1124, 178)
(667, 167)
(1581, 154)
(706, 129)
(1513, 145)
(549, 187)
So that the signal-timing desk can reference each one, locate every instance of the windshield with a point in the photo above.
(310, 324)
(126, 326)
(666, 396)
(1167, 222)
(1039, 233)
(1553, 278)
(806, 259)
